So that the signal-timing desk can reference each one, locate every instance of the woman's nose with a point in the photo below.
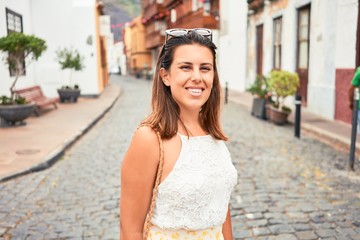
(196, 75)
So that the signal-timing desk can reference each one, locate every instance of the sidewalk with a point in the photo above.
(334, 133)
(43, 140)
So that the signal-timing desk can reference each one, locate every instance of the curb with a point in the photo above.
(338, 142)
(57, 153)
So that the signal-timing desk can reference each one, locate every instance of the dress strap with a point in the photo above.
(156, 183)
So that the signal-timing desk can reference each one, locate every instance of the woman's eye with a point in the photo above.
(205, 69)
(185, 67)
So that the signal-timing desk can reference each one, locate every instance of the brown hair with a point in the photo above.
(165, 111)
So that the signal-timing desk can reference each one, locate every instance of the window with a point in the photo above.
(277, 42)
(197, 4)
(303, 38)
(173, 15)
(13, 21)
(207, 7)
(259, 49)
(160, 26)
(14, 24)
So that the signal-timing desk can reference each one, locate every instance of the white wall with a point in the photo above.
(23, 8)
(66, 23)
(332, 45)
(288, 41)
(120, 56)
(232, 44)
(347, 15)
(61, 23)
(321, 86)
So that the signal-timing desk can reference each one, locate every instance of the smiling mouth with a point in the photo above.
(195, 91)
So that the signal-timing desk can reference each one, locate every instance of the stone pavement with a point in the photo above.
(43, 140)
(32, 148)
(288, 188)
(335, 133)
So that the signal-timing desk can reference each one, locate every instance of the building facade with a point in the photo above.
(138, 57)
(66, 23)
(317, 39)
(232, 44)
(159, 15)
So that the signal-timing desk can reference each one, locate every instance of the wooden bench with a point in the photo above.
(34, 94)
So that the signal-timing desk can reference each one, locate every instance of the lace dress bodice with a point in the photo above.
(196, 193)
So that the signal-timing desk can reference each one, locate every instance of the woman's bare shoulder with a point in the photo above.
(145, 138)
(143, 149)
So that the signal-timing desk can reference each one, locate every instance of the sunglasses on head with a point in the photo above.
(178, 32)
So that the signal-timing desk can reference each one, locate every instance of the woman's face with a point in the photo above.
(190, 76)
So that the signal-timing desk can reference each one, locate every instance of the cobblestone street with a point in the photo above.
(287, 188)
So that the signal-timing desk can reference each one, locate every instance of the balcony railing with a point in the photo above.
(154, 39)
(170, 3)
(196, 20)
(258, 5)
(153, 9)
(154, 34)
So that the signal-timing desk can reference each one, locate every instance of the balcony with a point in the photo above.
(258, 5)
(154, 39)
(153, 9)
(255, 4)
(196, 20)
(155, 34)
(171, 3)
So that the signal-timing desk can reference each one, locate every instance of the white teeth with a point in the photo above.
(195, 90)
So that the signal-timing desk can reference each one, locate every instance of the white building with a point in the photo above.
(317, 39)
(232, 44)
(61, 23)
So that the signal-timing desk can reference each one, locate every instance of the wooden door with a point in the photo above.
(303, 47)
(259, 49)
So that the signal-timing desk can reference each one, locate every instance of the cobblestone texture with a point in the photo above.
(287, 189)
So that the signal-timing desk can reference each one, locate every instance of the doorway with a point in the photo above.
(303, 47)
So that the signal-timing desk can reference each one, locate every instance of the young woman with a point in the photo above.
(198, 176)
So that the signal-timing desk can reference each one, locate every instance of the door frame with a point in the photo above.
(303, 74)
(259, 49)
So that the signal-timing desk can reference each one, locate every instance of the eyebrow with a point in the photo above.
(192, 63)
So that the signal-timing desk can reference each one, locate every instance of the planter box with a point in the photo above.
(70, 95)
(13, 114)
(277, 116)
(259, 108)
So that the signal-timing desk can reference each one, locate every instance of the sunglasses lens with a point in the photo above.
(177, 32)
(203, 32)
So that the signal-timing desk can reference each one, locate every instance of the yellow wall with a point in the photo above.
(138, 57)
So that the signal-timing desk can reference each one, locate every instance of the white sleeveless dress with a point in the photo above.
(192, 201)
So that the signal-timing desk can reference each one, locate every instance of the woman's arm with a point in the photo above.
(227, 229)
(138, 173)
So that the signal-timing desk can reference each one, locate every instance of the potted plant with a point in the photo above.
(70, 59)
(282, 84)
(260, 90)
(19, 47)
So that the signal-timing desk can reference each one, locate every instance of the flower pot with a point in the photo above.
(68, 95)
(258, 108)
(15, 113)
(277, 116)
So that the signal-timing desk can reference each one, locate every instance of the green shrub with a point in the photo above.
(260, 87)
(19, 46)
(69, 58)
(283, 84)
